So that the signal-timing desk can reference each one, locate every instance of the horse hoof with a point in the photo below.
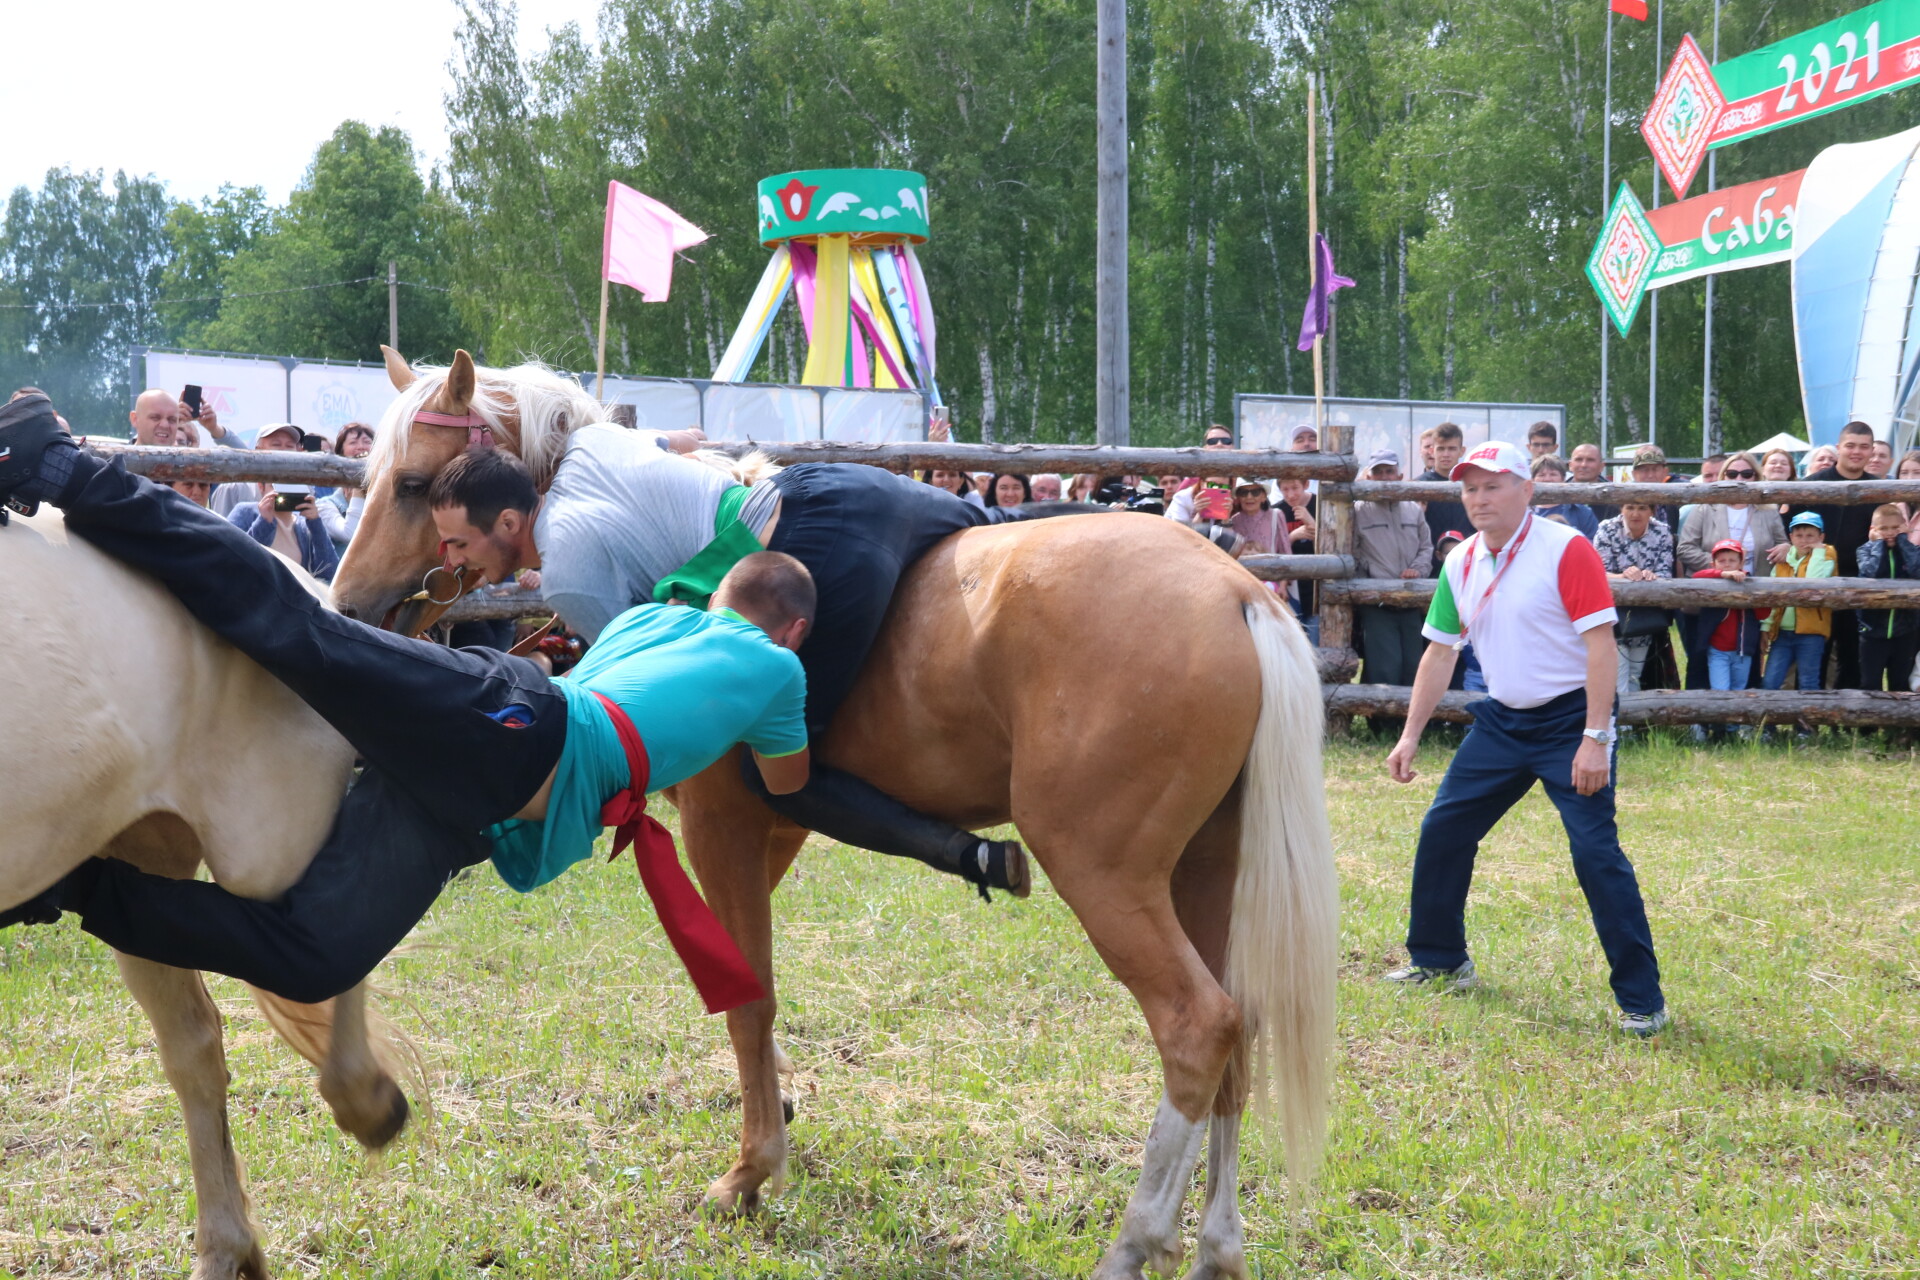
(786, 1106)
(393, 1123)
(723, 1201)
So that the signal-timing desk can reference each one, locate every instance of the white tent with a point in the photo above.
(1780, 441)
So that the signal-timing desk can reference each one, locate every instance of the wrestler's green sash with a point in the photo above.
(695, 581)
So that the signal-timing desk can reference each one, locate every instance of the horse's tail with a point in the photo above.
(1282, 947)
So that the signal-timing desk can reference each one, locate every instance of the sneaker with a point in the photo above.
(995, 864)
(1419, 977)
(1000, 864)
(27, 427)
(1645, 1024)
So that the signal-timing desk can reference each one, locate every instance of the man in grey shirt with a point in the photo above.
(622, 513)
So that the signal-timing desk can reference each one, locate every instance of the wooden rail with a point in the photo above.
(1671, 593)
(1838, 707)
(1296, 568)
(1334, 567)
(1068, 459)
(217, 466)
(1844, 493)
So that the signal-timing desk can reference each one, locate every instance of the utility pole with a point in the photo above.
(393, 304)
(1112, 378)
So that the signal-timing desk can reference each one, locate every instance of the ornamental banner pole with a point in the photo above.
(1606, 195)
(1313, 262)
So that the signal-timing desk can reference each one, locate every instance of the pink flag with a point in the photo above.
(641, 239)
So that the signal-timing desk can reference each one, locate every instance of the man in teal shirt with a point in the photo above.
(468, 753)
(695, 683)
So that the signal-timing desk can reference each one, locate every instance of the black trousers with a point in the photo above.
(383, 865)
(439, 722)
(1887, 661)
(433, 724)
(857, 529)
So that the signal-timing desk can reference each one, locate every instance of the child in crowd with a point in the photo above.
(1799, 635)
(1729, 638)
(1889, 638)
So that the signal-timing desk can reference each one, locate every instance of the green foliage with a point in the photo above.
(1460, 182)
(361, 205)
(80, 274)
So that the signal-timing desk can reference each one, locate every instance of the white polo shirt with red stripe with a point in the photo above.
(1549, 590)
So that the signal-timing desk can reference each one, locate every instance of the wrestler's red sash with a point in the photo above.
(720, 973)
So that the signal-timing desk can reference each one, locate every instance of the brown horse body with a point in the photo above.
(1048, 673)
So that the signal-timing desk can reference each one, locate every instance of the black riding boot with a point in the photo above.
(853, 811)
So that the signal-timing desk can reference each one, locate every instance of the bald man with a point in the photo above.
(159, 419)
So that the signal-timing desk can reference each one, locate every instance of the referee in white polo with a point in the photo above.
(1532, 597)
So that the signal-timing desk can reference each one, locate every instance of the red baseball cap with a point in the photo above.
(1494, 455)
(1728, 544)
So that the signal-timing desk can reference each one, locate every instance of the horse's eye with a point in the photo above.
(411, 486)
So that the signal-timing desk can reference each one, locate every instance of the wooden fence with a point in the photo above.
(1335, 470)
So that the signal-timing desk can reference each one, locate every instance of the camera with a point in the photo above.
(289, 499)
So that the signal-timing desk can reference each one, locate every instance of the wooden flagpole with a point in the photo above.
(1313, 263)
(600, 361)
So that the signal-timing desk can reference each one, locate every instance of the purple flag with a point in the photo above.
(1325, 281)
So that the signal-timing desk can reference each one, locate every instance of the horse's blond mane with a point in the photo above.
(549, 408)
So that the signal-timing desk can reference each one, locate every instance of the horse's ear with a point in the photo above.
(399, 372)
(458, 392)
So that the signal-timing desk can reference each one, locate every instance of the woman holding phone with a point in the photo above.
(340, 510)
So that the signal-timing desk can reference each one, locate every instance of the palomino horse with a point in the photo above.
(1048, 673)
(135, 732)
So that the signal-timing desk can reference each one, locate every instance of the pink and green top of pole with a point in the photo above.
(842, 242)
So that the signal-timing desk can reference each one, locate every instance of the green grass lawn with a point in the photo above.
(975, 1089)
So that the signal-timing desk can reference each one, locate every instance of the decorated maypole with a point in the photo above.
(843, 242)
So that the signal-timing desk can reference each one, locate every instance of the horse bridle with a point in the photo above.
(443, 576)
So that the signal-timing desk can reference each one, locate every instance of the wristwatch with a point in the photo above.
(1604, 737)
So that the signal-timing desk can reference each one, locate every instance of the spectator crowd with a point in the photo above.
(1705, 648)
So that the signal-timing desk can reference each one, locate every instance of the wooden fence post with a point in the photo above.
(1336, 539)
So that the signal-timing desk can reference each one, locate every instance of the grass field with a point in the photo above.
(975, 1089)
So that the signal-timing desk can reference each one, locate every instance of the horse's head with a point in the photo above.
(528, 410)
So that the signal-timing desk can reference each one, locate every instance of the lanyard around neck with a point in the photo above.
(1512, 549)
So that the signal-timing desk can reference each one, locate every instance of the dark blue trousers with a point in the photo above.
(1505, 752)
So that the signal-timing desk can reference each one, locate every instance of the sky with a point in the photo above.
(202, 92)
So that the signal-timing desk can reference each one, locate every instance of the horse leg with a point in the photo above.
(186, 1027)
(783, 846)
(729, 837)
(1128, 913)
(1203, 884)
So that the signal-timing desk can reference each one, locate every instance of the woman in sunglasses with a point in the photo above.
(1757, 528)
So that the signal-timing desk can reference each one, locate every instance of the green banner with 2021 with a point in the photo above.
(1871, 51)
